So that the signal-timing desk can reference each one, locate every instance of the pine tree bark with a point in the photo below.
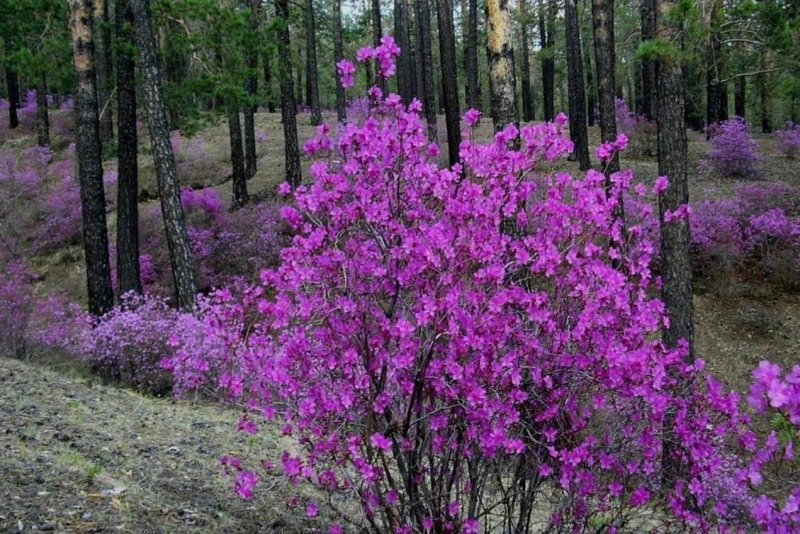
(591, 89)
(89, 160)
(268, 83)
(180, 251)
(104, 69)
(237, 157)
(425, 64)
(128, 269)
(447, 51)
(406, 68)
(547, 41)
(312, 74)
(676, 268)
(377, 34)
(473, 81)
(603, 25)
(288, 106)
(251, 87)
(577, 98)
(525, 65)
(12, 82)
(648, 16)
(501, 64)
(739, 97)
(42, 116)
(338, 55)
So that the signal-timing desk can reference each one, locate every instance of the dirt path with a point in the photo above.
(77, 456)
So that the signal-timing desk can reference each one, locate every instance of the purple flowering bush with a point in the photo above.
(732, 153)
(449, 373)
(640, 131)
(788, 140)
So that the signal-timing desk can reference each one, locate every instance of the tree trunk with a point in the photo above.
(128, 270)
(603, 25)
(648, 15)
(447, 51)
(268, 83)
(713, 53)
(288, 106)
(406, 77)
(237, 157)
(547, 42)
(104, 69)
(501, 64)
(12, 81)
(89, 160)
(338, 55)
(577, 97)
(473, 81)
(299, 99)
(425, 64)
(377, 34)
(42, 118)
(251, 87)
(180, 251)
(764, 93)
(739, 96)
(527, 95)
(312, 76)
(591, 89)
(676, 269)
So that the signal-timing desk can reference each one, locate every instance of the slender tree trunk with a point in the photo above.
(288, 106)
(251, 87)
(591, 89)
(128, 270)
(312, 76)
(268, 83)
(377, 34)
(447, 51)
(180, 251)
(603, 24)
(577, 97)
(406, 67)
(764, 93)
(648, 16)
(547, 42)
(104, 69)
(12, 81)
(473, 81)
(237, 157)
(676, 269)
(89, 160)
(338, 55)
(527, 95)
(501, 64)
(42, 117)
(299, 71)
(713, 53)
(424, 49)
(722, 111)
(739, 96)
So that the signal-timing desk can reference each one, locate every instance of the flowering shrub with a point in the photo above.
(788, 140)
(128, 343)
(640, 131)
(190, 154)
(732, 152)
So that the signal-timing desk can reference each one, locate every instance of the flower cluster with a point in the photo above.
(732, 152)
(788, 140)
(385, 55)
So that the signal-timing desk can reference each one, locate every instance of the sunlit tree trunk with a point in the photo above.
(501, 64)
(89, 160)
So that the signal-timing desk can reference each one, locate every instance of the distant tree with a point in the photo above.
(425, 65)
(128, 269)
(501, 64)
(42, 116)
(447, 51)
(577, 97)
(406, 67)
(471, 56)
(288, 106)
(648, 18)
(103, 62)
(525, 67)
(377, 34)
(591, 86)
(180, 251)
(89, 160)
(547, 41)
(312, 74)
(338, 55)
(603, 24)
(268, 81)
(251, 88)
(239, 177)
(12, 83)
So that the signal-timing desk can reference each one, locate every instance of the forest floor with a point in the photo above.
(80, 456)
